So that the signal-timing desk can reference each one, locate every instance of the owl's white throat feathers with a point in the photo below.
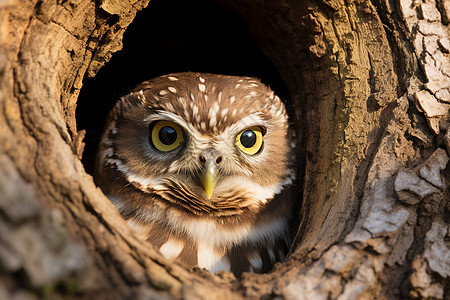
(258, 193)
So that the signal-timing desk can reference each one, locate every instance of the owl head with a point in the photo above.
(209, 145)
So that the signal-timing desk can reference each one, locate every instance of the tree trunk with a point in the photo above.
(370, 88)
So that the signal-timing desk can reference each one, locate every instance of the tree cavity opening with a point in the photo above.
(200, 36)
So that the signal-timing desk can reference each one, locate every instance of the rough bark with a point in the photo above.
(370, 84)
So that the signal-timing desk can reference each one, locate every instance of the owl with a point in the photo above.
(202, 166)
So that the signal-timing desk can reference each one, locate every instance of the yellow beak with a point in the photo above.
(209, 177)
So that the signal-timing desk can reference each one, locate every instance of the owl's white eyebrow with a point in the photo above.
(167, 116)
(250, 120)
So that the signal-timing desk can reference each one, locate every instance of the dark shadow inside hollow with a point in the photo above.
(198, 36)
(174, 36)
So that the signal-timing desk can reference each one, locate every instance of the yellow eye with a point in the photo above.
(166, 136)
(250, 140)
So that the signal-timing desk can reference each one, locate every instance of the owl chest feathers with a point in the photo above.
(227, 236)
(217, 245)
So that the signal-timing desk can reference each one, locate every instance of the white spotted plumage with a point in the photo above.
(243, 224)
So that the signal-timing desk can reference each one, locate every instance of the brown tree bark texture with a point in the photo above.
(370, 83)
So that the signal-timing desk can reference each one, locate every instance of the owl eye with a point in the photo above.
(166, 136)
(250, 140)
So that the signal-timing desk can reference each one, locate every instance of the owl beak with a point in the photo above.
(209, 177)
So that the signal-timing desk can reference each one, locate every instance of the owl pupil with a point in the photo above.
(248, 138)
(167, 135)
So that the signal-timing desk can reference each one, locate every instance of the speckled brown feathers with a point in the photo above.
(237, 218)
